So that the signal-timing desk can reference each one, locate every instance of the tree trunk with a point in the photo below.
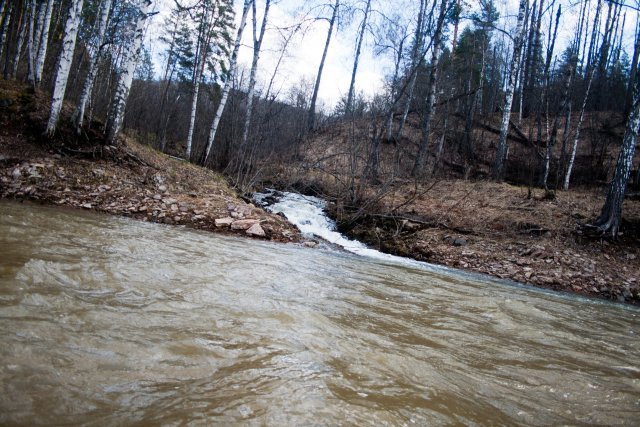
(418, 166)
(633, 76)
(576, 139)
(564, 100)
(610, 217)
(129, 63)
(594, 34)
(498, 168)
(43, 43)
(352, 85)
(416, 59)
(311, 121)
(227, 83)
(89, 81)
(22, 33)
(31, 48)
(394, 85)
(5, 22)
(257, 44)
(64, 64)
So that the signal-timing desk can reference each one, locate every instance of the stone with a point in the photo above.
(459, 242)
(255, 230)
(162, 188)
(243, 224)
(310, 244)
(86, 205)
(223, 222)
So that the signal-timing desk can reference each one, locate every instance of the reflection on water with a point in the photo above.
(108, 321)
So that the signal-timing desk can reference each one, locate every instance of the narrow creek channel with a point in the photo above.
(110, 321)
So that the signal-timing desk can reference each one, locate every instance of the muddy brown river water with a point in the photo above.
(109, 321)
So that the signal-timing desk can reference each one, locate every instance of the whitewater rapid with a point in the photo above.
(308, 214)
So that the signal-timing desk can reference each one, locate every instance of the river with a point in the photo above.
(111, 321)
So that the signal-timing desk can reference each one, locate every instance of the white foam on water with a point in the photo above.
(307, 213)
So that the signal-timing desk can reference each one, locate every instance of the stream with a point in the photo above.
(111, 321)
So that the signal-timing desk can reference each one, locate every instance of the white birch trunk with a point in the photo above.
(129, 63)
(87, 89)
(6, 21)
(501, 152)
(22, 32)
(37, 33)
(192, 118)
(30, 44)
(257, 44)
(227, 83)
(64, 65)
(44, 41)
(356, 60)
(576, 139)
(611, 214)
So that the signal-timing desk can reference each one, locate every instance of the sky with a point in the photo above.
(305, 50)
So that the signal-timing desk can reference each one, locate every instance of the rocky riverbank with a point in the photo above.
(130, 179)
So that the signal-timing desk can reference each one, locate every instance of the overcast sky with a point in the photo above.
(305, 50)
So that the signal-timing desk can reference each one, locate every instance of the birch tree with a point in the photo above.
(352, 85)
(311, 119)
(129, 62)
(611, 214)
(31, 48)
(87, 88)
(64, 64)
(498, 168)
(227, 82)
(213, 18)
(22, 33)
(43, 42)
(418, 166)
(5, 22)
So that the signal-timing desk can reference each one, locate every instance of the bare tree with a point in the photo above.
(43, 42)
(129, 62)
(311, 121)
(498, 168)
(352, 85)
(64, 64)
(417, 55)
(87, 89)
(257, 45)
(22, 33)
(418, 166)
(611, 214)
(227, 82)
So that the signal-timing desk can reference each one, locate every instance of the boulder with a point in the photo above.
(255, 230)
(223, 222)
(243, 224)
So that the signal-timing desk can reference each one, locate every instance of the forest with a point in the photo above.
(476, 92)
